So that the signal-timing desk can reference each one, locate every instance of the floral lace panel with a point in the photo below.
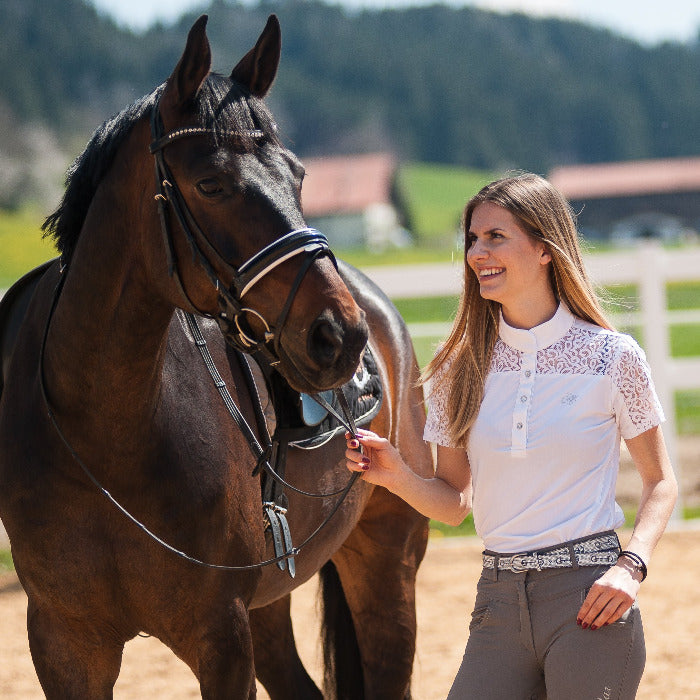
(580, 351)
(437, 421)
(632, 377)
(505, 358)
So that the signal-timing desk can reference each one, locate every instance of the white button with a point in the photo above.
(523, 399)
(527, 372)
(519, 426)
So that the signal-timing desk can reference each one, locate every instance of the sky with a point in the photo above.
(648, 21)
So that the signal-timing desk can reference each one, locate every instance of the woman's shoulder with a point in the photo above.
(619, 344)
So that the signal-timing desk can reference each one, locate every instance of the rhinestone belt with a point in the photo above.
(600, 549)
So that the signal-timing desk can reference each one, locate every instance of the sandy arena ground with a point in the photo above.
(669, 599)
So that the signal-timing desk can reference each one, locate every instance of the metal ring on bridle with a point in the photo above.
(245, 338)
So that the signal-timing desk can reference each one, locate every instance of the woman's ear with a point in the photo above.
(545, 256)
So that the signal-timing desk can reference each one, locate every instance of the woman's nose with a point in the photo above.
(477, 250)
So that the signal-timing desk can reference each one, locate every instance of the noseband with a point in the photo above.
(232, 313)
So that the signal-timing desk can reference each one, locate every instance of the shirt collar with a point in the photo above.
(539, 337)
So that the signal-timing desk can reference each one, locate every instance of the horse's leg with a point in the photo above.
(277, 663)
(224, 656)
(71, 659)
(377, 567)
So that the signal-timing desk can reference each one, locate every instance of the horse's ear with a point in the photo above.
(192, 68)
(258, 68)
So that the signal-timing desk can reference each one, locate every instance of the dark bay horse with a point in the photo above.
(103, 388)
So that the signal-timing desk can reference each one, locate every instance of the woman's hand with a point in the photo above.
(610, 597)
(379, 461)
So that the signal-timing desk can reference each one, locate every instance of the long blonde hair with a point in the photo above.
(464, 359)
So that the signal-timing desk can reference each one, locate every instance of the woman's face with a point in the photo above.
(512, 267)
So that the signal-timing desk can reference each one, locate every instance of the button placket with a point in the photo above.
(523, 399)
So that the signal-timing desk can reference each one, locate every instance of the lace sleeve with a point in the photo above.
(437, 421)
(636, 404)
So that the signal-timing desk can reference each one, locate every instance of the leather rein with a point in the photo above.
(309, 242)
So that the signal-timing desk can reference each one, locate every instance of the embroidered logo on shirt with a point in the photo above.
(569, 399)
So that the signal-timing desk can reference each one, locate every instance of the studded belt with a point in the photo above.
(592, 551)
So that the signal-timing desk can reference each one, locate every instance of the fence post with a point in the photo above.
(657, 344)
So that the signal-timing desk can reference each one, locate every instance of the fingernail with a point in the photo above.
(365, 467)
(354, 443)
(594, 627)
(365, 460)
(584, 625)
(578, 622)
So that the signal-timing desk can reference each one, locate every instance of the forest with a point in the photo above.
(436, 84)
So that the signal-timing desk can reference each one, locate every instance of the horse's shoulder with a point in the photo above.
(13, 311)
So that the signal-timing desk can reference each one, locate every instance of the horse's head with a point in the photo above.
(237, 242)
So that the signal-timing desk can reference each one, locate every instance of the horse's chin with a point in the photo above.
(312, 381)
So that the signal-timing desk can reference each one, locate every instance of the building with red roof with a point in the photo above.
(635, 199)
(351, 200)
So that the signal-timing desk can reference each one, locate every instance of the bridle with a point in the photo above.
(307, 241)
(232, 313)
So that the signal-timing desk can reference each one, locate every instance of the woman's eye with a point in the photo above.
(210, 187)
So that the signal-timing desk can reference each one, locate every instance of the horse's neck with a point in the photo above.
(106, 344)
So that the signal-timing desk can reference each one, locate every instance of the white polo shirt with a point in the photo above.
(545, 448)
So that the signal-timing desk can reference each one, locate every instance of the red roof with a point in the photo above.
(639, 177)
(346, 184)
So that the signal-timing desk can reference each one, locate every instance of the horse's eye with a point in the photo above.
(210, 187)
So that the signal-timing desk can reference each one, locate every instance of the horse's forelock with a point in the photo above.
(226, 108)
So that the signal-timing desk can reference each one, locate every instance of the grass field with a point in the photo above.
(21, 244)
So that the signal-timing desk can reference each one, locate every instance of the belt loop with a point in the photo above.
(572, 555)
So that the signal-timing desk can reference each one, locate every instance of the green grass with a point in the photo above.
(427, 309)
(6, 561)
(683, 295)
(685, 340)
(21, 246)
(359, 257)
(688, 412)
(435, 196)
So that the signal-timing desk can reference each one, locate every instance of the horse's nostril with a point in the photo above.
(325, 342)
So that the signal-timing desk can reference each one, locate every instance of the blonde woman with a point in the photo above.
(530, 396)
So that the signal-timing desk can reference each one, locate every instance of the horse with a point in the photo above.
(126, 488)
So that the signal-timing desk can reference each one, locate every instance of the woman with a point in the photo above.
(529, 397)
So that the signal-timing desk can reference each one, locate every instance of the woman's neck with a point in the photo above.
(530, 313)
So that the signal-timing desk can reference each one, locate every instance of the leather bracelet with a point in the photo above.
(636, 560)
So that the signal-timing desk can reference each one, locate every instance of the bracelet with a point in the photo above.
(636, 560)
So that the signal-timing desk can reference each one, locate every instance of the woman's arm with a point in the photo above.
(617, 589)
(447, 496)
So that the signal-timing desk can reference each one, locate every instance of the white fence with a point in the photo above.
(649, 266)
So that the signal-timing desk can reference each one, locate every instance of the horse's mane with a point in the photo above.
(223, 106)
